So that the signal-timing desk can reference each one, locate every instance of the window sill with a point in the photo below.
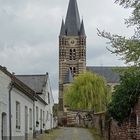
(18, 130)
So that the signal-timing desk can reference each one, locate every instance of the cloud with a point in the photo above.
(29, 33)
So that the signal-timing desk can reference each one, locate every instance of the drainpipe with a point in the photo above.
(10, 114)
(34, 122)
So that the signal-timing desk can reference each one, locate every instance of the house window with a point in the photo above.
(37, 120)
(37, 113)
(43, 119)
(17, 115)
(30, 117)
(47, 116)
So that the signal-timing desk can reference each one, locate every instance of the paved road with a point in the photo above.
(75, 134)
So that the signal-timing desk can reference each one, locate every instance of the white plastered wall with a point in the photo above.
(17, 96)
(4, 99)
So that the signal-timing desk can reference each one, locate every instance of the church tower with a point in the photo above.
(72, 49)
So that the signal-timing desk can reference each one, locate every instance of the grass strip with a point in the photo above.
(96, 134)
(52, 135)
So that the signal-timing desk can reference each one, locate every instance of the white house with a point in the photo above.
(41, 85)
(26, 109)
(16, 108)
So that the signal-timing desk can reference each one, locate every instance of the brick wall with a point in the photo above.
(129, 130)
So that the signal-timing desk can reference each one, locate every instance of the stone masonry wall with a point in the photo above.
(129, 130)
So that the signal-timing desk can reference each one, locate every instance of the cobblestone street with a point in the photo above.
(75, 134)
(66, 133)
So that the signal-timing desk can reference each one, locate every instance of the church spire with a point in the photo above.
(72, 23)
(82, 29)
(62, 31)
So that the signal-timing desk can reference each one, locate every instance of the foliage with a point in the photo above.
(125, 95)
(127, 48)
(128, 3)
(88, 91)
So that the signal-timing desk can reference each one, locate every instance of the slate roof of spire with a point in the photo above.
(69, 77)
(72, 23)
(62, 31)
(82, 29)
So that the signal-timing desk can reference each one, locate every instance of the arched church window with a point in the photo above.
(74, 54)
(70, 54)
(82, 41)
(82, 52)
(71, 69)
(74, 70)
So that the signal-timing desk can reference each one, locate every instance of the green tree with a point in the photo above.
(88, 91)
(125, 95)
(127, 48)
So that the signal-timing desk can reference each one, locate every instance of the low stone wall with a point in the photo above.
(110, 129)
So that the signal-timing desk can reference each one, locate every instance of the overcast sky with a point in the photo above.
(29, 31)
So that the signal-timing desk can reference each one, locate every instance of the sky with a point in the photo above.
(29, 31)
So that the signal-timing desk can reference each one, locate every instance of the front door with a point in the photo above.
(26, 123)
(4, 126)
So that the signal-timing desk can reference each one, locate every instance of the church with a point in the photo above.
(72, 54)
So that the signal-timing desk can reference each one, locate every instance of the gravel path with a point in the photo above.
(75, 134)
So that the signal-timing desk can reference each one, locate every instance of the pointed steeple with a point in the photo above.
(72, 23)
(69, 77)
(62, 31)
(82, 29)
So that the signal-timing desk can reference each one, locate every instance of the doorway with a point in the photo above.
(26, 123)
(4, 126)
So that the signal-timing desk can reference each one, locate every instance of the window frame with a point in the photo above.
(30, 119)
(18, 115)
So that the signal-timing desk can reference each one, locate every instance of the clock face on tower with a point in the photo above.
(72, 42)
